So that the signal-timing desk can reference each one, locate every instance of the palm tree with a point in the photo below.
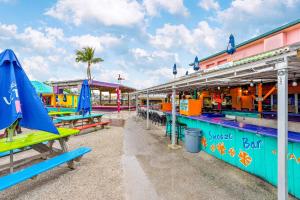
(86, 55)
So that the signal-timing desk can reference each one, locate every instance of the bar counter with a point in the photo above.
(249, 147)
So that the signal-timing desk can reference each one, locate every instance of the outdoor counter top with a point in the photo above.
(272, 132)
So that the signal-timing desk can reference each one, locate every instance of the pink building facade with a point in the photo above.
(278, 38)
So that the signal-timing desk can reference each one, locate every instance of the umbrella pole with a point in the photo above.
(11, 131)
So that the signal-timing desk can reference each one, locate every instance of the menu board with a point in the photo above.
(184, 105)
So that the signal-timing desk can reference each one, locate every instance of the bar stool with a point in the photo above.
(179, 130)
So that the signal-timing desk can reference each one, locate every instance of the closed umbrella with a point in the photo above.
(195, 64)
(231, 45)
(65, 98)
(174, 70)
(84, 102)
(20, 105)
(19, 101)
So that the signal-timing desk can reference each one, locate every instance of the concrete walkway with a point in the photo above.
(152, 171)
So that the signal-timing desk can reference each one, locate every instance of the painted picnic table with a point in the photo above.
(74, 119)
(36, 141)
(57, 113)
(61, 109)
(249, 147)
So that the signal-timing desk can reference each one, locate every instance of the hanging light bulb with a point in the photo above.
(228, 86)
(251, 83)
(294, 84)
(219, 88)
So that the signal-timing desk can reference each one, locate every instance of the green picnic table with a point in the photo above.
(73, 119)
(36, 140)
(57, 113)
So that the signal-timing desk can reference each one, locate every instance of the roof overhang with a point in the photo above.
(253, 69)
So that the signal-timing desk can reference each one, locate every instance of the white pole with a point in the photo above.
(173, 115)
(129, 102)
(282, 130)
(148, 125)
(296, 103)
(272, 101)
(136, 104)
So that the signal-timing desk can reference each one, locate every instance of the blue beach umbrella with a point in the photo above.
(18, 98)
(84, 102)
(231, 45)
(174, 70)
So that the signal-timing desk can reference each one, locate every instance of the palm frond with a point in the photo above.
(96, 60)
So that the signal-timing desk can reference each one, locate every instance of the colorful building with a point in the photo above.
(261, 77)
(52, 99)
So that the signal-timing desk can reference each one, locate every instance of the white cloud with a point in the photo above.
(98, 42)
(249, 16)
(7, 30)
(40, 40)
(35, 67)
(139, 53)
(209, 5)
(180, 37)
(107, 12)
(174, 7)
(154, 77)
(110, 75)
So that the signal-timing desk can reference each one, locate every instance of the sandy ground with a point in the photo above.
(135, 163)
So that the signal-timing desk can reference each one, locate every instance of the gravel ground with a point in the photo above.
(98, 175)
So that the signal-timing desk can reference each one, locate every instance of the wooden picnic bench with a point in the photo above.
(74, 119)
(42, 142)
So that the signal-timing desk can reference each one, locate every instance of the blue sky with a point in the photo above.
(139, 39)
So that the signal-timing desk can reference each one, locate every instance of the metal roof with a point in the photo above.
(257, 68)
(42, 87)
(94, 84)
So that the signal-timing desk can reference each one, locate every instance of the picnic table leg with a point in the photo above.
(64, 148)
(11, 158)
(99, 119)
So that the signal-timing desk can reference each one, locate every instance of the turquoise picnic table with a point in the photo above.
(39, 141)
(74, 119)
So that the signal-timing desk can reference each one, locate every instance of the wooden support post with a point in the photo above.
(109, 97)
(260, 98)
(296, 103)
(100, 97)
(269, 93)
(128, 101)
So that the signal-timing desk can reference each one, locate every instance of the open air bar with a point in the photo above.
(245, 103)
(150, 100)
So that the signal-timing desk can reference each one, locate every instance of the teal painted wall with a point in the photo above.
(253, 153)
